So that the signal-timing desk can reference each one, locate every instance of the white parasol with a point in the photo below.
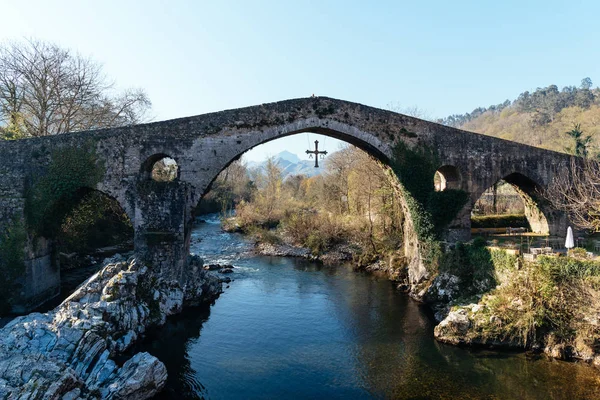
(569, 243)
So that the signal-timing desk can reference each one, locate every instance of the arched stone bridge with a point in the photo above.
(162, 213)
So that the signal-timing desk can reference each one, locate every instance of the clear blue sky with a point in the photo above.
(445, 57)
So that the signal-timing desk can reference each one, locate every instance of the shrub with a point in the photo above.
(500, 221)
(547, 300)
(475, 265)
(567, 268)
(263, 235)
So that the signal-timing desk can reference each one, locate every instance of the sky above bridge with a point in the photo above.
(444, 57)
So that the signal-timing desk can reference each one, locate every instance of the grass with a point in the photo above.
(552, 301)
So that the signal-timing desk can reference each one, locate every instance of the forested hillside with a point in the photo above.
(540, 118)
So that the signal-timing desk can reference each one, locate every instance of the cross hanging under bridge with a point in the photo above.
(316, 152)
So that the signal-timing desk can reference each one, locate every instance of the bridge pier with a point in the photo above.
(459, 229)
(161, 236)
(35, 273)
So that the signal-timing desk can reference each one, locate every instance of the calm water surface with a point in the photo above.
(288, 328)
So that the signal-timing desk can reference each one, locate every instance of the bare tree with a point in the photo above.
(576, 190)
(412, 111)
(48, 90)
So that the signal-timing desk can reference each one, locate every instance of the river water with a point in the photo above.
(290, 328)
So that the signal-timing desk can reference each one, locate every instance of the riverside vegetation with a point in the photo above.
(550, 305)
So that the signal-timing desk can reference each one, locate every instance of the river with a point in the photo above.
(290, 328)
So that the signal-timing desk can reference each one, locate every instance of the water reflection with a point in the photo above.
(288, 328)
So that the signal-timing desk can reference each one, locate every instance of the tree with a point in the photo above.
(581, 142)
(412, 111)
(576, 190)
(586, 83)
(48, 90)
(269, 182)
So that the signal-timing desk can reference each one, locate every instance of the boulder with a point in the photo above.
(454, 327)
(69, 352)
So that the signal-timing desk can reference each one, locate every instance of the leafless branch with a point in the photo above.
(53, 91)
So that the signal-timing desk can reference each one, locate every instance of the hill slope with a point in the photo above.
(540, 118)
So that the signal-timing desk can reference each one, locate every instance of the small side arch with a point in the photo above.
(160, 167)
(447, 177)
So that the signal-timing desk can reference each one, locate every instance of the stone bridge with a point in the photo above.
(162, 212)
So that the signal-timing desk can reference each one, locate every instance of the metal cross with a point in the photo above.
(316, 152)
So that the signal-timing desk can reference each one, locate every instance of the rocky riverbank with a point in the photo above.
(69, 353)
(550, 306)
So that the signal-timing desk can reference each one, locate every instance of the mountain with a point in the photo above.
(291, 164)
(540, 118)
(287, 156)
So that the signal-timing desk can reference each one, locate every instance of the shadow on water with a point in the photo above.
(169, 343)
(290, 328)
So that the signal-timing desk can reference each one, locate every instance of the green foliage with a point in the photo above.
(445, 205)
(431, 253)
(53, 194)
(473, 264)
(581, 143)
(12, 262)
(546, 301)
(415, 168)
(15, 129)
(499, 221)
(479, 242)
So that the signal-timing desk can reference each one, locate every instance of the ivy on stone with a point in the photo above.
(12, 262)
(431, 211)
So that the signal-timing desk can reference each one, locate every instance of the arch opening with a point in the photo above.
(95, 226)
(160, 168)
(76, 235)
(447, 177)
(511, 206)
